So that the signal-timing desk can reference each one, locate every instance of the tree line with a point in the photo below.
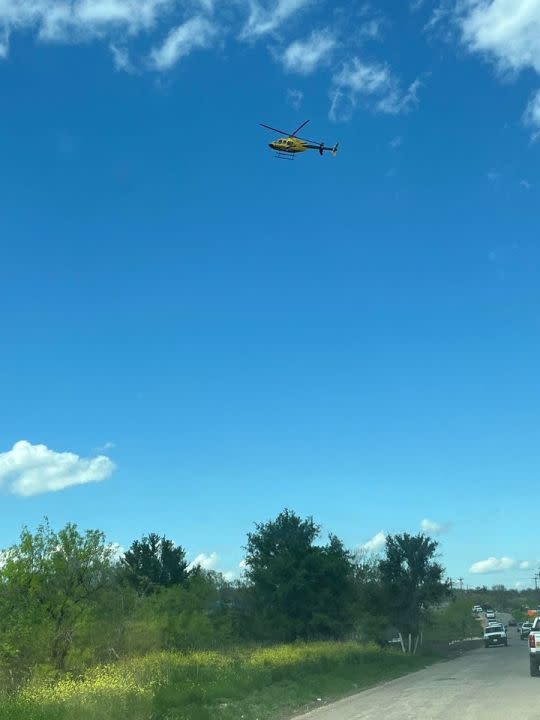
(67, 600)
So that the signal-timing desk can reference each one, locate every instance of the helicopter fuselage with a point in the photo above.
(288, 145)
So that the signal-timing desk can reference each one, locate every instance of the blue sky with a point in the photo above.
(214, 334)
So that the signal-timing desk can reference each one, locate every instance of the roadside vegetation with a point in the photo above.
(87, 633)
(453, 622)
(255, 684)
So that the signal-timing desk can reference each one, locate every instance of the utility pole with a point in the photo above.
(460, 581)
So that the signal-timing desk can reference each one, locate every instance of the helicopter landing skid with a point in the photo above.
(284, 156)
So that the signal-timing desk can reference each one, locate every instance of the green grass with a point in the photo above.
(263, 684)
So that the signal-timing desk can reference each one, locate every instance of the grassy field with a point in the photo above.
(261, 684)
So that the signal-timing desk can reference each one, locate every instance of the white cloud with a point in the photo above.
(434, 528)
(373, 81)
(264, 19)
(29, 469)
(76, 21)
(492, 565)
(531, 117)
(376, 544)
(198, 32)
(118, 551)
(242, 564)
(295, 98)
(525, 565)
(79, 20)
(507, 31)
(204, 561)
(211, 562)
(304, 56)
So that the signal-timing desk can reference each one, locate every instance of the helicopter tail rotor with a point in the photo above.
(335, 149)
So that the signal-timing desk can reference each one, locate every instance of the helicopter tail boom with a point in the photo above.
(321, 147)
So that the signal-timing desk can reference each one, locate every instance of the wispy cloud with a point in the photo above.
(371, 29)
(4, 43)
(305, 56)
(525, 184)
(396, 142)
(29, 469)
(295, 98)
(196, 33)
(440, 13)
(105, 447)
(373, 82)
(434, 528)
(264, 19)
(531, 117)
(121, 58)
(376, 544)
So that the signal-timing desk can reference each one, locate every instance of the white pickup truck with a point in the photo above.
(534, 648)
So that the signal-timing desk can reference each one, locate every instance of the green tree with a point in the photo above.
(50, 581)
(299, 589)
(411, 581)
(155, 562)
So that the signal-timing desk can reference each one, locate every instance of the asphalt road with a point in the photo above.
(482, 684)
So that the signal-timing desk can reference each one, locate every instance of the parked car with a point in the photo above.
(495, 635)
(525, 630)
(534, 648)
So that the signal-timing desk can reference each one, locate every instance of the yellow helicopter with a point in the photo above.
(290, 145)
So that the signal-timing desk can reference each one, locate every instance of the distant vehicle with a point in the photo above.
(495, 635)
(512, 622)
(534, 648)
(490, 615)
(477, 610)
(525, 630)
